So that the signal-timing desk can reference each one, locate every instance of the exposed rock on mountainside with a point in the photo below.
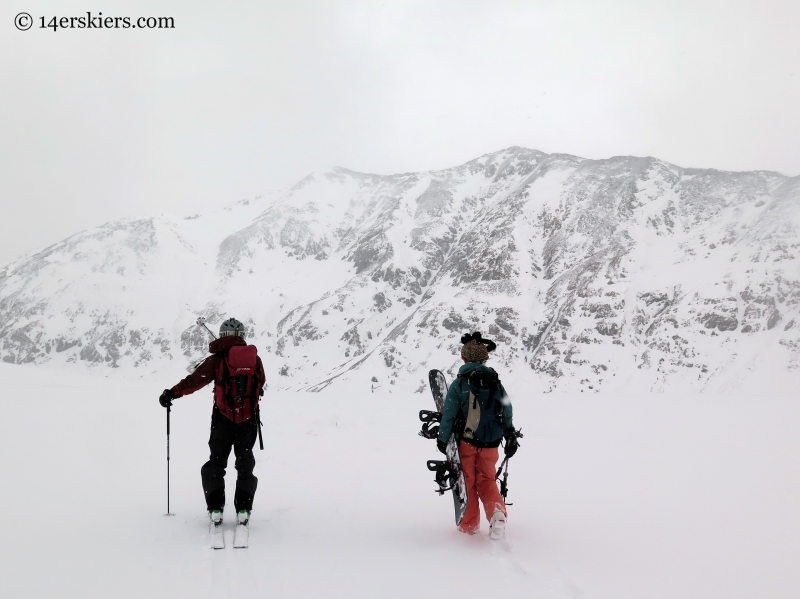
(588, 273)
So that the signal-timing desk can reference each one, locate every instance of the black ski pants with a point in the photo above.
(224, 436)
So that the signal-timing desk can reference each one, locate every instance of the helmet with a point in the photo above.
(231, 327)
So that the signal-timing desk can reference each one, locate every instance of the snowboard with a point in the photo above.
(449, 475)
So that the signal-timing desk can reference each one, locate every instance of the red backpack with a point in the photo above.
(237, 389)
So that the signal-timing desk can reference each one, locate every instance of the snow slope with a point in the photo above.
(657, 497)
(625, 273)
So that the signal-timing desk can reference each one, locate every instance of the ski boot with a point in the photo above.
(497, 526)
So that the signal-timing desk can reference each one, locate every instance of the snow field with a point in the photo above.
(614, 497)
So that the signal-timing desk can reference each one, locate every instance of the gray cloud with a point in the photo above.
(244, 97)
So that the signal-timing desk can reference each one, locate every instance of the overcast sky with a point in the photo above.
(246, 97)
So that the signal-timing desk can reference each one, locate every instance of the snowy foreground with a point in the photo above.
(645, 497)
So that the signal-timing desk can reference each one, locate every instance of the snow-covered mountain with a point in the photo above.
(590, 274)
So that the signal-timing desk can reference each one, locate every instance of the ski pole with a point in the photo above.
(258, 423)
(504, 482)
(169, 408)
(500, 469)
(504, 464)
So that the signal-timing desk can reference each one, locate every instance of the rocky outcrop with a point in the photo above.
(584, 271)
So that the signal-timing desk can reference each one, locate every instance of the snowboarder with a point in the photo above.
(478, 409)
(238, 377)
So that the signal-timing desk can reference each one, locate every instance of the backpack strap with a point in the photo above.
(493, 388)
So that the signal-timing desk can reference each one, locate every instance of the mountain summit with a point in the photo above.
(589, 274)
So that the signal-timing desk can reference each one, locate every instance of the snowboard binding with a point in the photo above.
(445, 475)
(430, 429)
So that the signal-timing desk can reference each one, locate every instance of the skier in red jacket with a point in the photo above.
(238, 377)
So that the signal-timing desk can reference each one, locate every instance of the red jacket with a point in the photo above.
(213, 369)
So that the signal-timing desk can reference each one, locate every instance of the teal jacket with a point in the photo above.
(456, 404)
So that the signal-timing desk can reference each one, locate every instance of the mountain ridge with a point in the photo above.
(587, 272)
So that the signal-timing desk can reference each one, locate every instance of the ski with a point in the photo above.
(241, 538)
(217, 536)
(215, 530)
(449, 475)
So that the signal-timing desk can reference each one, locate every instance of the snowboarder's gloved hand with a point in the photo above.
(512, 445)
(441, 446)
(166, 398)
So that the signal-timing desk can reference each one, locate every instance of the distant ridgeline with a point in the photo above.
(588, 274)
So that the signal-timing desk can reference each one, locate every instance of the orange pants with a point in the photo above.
(478, 464)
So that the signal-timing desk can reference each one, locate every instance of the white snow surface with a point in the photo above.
(618, 274)
(615, 496)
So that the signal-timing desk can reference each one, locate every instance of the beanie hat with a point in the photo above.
(476, 349)
(474, 352)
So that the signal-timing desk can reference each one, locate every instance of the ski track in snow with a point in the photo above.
(647, 496)
(232, 572)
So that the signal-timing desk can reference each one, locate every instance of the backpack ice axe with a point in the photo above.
(201, 322)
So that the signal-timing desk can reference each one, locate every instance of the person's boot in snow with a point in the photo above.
(497, 525)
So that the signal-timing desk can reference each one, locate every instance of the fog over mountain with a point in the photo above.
(589, 274)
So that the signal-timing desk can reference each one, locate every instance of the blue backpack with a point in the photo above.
(484, 418)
